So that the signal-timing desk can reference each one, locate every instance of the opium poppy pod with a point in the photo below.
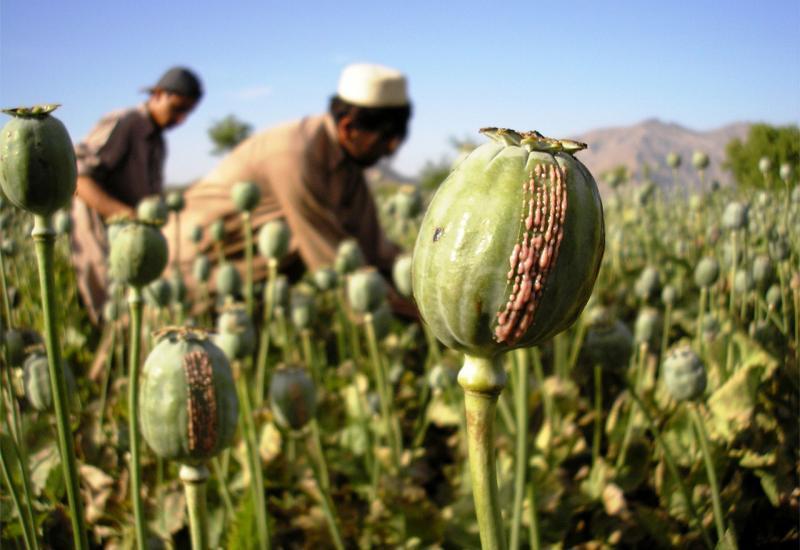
(684, 374)
(138, 254)
(401, 274)
(273, 239)
(292, 397)
(175, 201)
(37, 162)
(188, 407)
(510, 247)
(348, 256)
(152, 210)
(366, 289)
(245, 196)
(36, 378)
(236, 335)
(700, 160)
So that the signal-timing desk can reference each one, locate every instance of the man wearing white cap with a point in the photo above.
(311, 174)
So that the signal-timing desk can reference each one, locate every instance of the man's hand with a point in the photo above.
(97, 199)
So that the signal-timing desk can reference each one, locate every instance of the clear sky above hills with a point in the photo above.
(525, 65)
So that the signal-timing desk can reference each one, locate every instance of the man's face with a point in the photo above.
(367, 147)
(168, 109)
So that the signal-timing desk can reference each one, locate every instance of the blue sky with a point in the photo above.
(524, 65)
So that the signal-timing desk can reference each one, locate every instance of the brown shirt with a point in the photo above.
(124, 153)
(305, 178)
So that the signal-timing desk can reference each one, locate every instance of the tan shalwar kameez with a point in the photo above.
(306, 179)
(124, 153)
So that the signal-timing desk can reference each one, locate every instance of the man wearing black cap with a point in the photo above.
(120, 162)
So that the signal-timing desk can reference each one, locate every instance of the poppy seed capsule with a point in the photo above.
(37, 162)
(742, 281)
(647, 328)
(645, 193)
(178, 288)
(325, 278)
(684, 374)
(235, 333)
(201, 268)
(348, 257)
(700, 160)
(706, 272)
(673, 160)
(767, 335)
(110, 311)
(765, 165)
(36, 379)
(762, 271)
(774, 297)
(273, 239)
(401, 275)
(196, 234)
(217, 231)
(366, 289)
(293, 397)
(510, 246)
(735, 216)
(669, 295)
(62, 221)
(407, 202)
(779, 249)
(9, 247)
(188, 406)
(115, 225)
(648, 284)
(786, 172)
(228, 281)
(245, 196)
(441, 377)
(158, 293)
(174, 201)
(138, 254)
(608, 341)
(152, 210)
(303, 311)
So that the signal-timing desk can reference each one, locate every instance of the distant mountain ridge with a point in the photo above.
(646, 143)
(650, 141)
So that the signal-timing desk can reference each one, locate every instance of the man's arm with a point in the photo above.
(97, 199)
(97, 157)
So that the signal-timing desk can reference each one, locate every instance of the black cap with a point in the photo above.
(180, 80)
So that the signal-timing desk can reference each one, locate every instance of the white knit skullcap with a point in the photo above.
(368, 85)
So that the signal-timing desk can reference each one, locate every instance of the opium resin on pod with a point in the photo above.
(188, 407)
(510, 247)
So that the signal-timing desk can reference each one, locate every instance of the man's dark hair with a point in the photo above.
(386, 120)
(181, 81)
